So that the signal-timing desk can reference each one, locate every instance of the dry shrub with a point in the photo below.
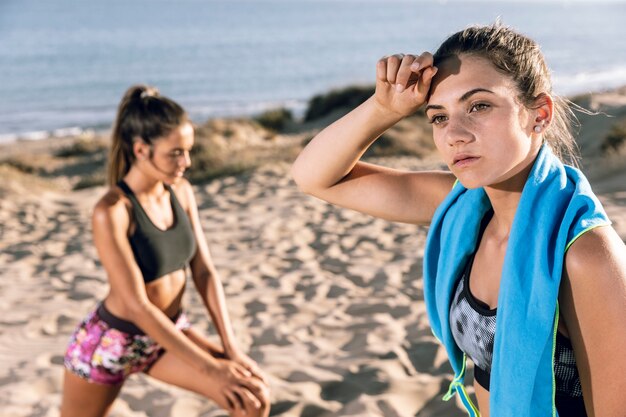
(615, 139)
(16, 181)
(411, 136)
(347, 98)
(229, 147)
(275, 119)
(39, 164)
(82, 147)
(96, 179)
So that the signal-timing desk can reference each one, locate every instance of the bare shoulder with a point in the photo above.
(184, 193)
(112, 210)
(599, 251)
(595, 271)
(593, 301)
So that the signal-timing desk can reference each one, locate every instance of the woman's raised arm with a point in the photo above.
(329, 166)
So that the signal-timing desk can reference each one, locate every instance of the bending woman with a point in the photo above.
(147, 231)
(523, 273)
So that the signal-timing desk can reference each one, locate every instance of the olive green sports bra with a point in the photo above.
(159, 252)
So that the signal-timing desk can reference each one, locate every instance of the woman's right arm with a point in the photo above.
(329, 166)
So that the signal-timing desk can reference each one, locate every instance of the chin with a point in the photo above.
(470, 182)
(471, 185)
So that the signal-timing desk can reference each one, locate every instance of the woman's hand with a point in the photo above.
(403, 82)
(237, 385)
(248, 363)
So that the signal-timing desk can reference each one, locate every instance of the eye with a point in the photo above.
(479, 107)
(438, 119)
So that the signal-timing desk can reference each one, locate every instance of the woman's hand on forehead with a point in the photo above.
(403, 82)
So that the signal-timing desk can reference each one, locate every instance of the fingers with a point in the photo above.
(253, 367)
(404, 73)
(232, 400)
(241, 399)
(245, 396)
(258, 373)
(239, 370)
(427, 78)
(381, 69)
(254, 385)
(393, 65)
(404, 70)
(423, 61)
(250, 401)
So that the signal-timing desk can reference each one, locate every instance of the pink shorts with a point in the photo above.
(106, 349)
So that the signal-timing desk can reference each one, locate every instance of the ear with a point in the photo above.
(544, 109)
(141, 149)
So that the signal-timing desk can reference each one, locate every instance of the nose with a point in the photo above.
(458, 132)
(185, 161)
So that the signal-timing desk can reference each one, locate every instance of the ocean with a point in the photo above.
(64, 64)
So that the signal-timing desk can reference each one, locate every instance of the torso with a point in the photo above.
(484, 285)
(165, 292)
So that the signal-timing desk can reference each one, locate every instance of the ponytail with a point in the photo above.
(143, 115)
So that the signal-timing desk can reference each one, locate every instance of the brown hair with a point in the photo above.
(144, 115)
(520, 58)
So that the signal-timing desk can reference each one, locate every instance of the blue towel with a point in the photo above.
(556, 207)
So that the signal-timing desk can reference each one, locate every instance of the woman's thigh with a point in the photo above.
(86, 399)
(482, 396)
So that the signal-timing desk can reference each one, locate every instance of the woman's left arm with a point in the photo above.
(209, 285)
(593, 306)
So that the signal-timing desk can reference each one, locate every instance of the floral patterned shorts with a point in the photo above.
(106, 349)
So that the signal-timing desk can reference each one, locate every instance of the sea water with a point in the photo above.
(64, 64)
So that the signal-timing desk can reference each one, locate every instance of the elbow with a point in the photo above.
(298, 176)
(302, 178)
(137, 308)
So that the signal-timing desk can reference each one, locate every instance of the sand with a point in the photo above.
(328, 301)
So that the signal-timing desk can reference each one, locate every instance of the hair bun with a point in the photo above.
(140, 91)
(148, 91)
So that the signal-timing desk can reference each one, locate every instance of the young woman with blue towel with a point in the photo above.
(523, 273)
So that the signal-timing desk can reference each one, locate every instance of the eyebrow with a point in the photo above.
(463, 98)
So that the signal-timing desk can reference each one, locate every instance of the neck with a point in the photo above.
(504, 198)
(141, 183)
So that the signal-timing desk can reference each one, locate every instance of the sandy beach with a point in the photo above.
(328, 301)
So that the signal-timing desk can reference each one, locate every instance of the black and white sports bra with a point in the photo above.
(473, 326)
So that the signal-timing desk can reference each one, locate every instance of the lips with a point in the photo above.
(462, 159)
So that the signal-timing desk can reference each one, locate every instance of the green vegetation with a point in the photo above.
(209, 160)
(346, 98)
(275, 119)
(92, 180)
(616, 137)
(82, 147)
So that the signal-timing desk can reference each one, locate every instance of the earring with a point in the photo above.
(537, 129)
